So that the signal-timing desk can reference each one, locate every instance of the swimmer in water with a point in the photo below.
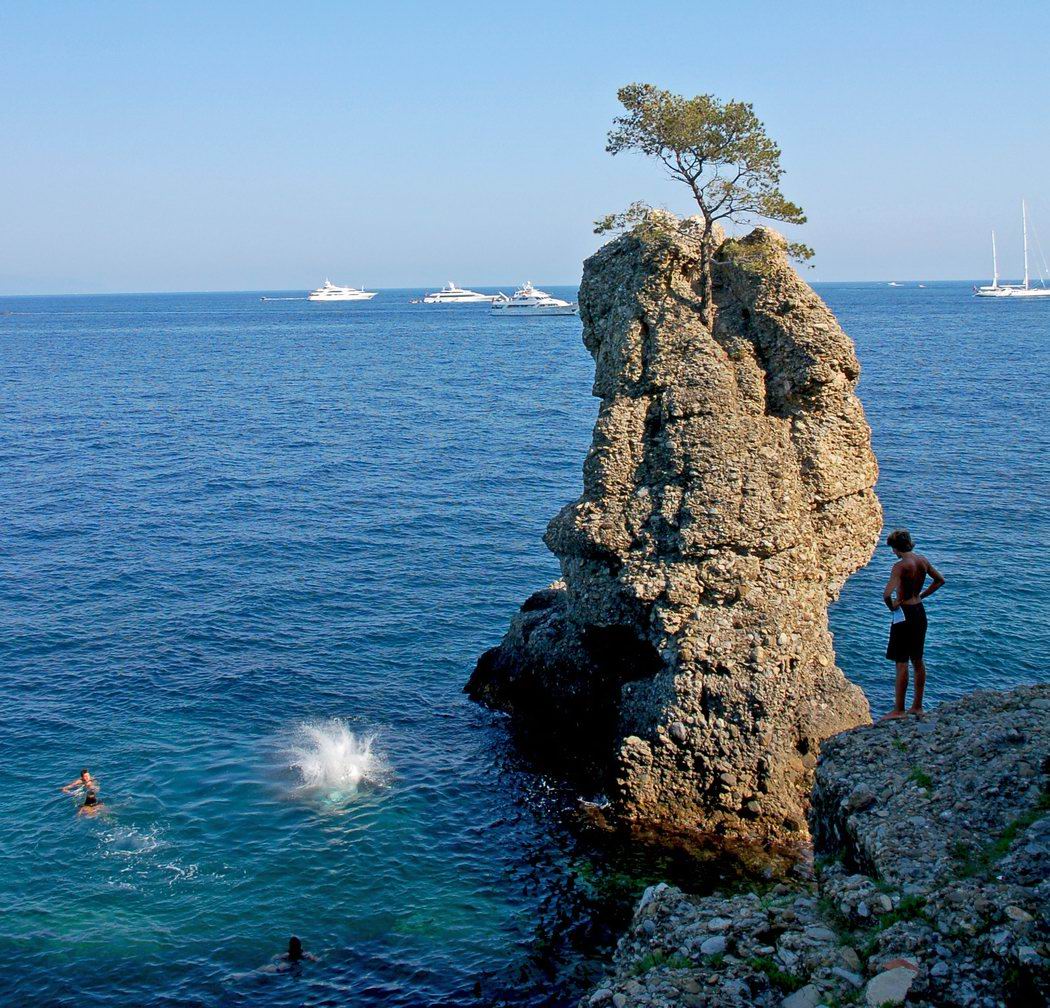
(295, 955)
(92, 806)
(84, 782)
(287, 962)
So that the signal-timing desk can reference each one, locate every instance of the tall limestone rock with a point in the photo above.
(728, 494)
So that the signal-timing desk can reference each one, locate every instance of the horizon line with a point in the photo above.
(425, 287)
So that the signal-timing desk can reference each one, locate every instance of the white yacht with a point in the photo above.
(530, 301)
(1021, 290)
(333, 292)
(451, 294)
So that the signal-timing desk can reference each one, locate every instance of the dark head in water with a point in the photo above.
(295, 949)
(91, 798)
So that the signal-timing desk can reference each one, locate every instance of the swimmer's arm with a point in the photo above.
(71, 786)
(892, 585)
(936, 581)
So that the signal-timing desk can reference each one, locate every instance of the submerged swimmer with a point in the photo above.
(294, 956)
(84, 782)
(287, 962)
(92, 806)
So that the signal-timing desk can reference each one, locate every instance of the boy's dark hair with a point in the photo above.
(900, 539)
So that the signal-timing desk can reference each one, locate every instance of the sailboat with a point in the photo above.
(996, 289)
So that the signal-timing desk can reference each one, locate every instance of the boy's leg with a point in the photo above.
(900, 688)
(920, 686)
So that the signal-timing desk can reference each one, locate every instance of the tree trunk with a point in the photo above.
(707, 297)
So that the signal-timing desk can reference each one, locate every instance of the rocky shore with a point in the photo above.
(929, 884)
(683, 663)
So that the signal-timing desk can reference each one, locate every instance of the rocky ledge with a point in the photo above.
(929, 886)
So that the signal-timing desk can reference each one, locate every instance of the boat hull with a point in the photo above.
(1012, 292)
(342, 297)
(535, 310)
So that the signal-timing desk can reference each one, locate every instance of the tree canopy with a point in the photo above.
(720, 150)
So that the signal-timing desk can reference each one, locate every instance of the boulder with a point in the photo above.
(889, 987)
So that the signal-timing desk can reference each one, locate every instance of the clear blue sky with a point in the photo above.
(210, 146)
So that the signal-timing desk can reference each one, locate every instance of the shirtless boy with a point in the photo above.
(903, 595)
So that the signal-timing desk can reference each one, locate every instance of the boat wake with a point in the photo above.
(333, 762)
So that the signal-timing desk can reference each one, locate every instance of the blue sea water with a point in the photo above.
(233, 531)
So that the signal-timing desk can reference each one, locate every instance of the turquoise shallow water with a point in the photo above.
(222, 519)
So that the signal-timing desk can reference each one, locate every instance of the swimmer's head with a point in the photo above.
(91, 798)
(295, 949)
(84, 775)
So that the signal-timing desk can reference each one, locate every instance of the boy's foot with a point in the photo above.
(891, 715)
(917, 711)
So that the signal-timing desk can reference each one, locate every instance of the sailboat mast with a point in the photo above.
(1024, 229)
(995, 264)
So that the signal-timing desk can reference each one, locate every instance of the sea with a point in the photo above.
(249, 552)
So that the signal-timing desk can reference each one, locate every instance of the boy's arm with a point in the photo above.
(936, 581)
(891, 586)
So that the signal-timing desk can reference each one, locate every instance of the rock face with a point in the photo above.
(727, 497)
(932, 882)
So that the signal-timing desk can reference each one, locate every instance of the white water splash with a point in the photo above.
(129, 842)
(328, 756)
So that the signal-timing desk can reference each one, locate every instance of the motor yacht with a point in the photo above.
(451, 294)
(333, 292)
(530, 301)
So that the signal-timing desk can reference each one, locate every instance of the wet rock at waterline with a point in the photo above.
(728, 494)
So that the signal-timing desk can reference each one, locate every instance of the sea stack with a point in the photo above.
(728, 494)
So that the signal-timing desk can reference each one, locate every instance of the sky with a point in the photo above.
(184, 146)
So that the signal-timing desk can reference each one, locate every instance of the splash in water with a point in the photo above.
(126, 841)
(329, 757)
